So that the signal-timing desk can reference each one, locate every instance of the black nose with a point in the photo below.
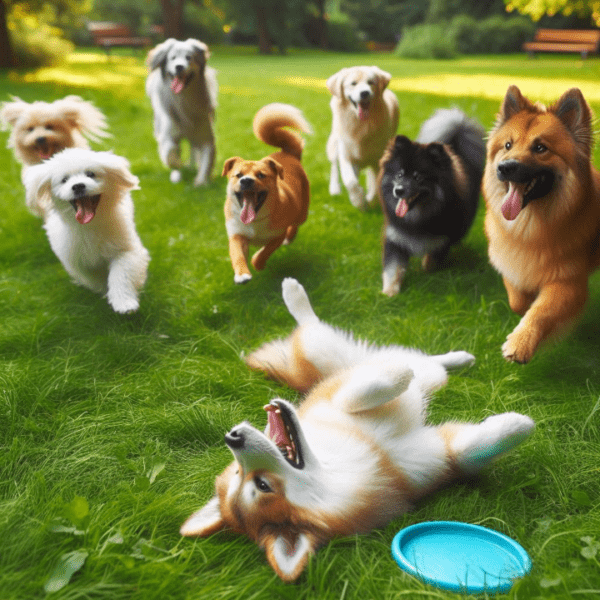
(399, 191)
(365, 95)
(246, 183)
(78, 188)
(179, 69)
(40, 140)
(508, 170)
(234, 439)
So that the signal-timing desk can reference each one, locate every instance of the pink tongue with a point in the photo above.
(363, 112)
(247, 215)
(177, 85)
(84, 213)
(513, 203)
(401, 207)
(277, 430)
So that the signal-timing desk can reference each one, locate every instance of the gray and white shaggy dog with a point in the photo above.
(183, 92)
(85, 199)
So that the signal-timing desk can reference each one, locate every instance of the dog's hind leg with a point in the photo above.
(455, 360)
(334, 178)
(371, 184)
(297, 302)
(472, 446)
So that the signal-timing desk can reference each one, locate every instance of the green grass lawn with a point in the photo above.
(111, 428)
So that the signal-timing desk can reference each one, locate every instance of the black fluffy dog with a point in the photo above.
(429, 191)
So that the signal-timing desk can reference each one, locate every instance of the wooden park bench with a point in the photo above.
(581, 41)
(116, 35)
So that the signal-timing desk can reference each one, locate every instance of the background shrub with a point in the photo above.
(342, 35)
(38, 46)
(427, 41)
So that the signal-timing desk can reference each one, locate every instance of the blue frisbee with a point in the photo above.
(460, 557)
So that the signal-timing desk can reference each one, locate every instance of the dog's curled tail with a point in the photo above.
(270, 121)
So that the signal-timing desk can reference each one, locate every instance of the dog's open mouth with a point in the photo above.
(363, 107)
(179, 83)
(518, 195)
(85, 208)
(250, 201)
(283, 433)
(45, 150)
(405, 204)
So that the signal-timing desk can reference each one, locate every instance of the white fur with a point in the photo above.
(354, 143)
(105, 255)
(366, 450)
(188, 114)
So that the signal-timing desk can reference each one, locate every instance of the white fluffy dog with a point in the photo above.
(41, 129)
(365, 117)
(85, 199)
(183, 93)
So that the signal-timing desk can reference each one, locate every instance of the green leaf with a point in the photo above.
(547, 582)
(155, 471)
(67, 566)
(589, 552)
(77, 510)
(581, 498)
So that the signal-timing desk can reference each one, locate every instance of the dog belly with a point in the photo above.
(417, 245)
(258, 232)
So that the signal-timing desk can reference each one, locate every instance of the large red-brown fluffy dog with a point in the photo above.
(543, 213)
(267, 199)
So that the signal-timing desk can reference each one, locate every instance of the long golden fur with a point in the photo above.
(267, 200)
(542, 221)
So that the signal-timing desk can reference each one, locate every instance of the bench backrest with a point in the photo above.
(582, 36)
(105, 29)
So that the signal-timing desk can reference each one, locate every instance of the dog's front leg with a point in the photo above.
(238, 253)
(126, 275)
(349, 173)
(259, 260)
(395, 264)
(556, 307)
(204, 157)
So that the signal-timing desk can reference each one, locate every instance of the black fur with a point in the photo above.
(436, 212)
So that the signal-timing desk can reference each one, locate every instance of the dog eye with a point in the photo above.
(261, 175)
(539, 148)
(262, 485)
(50, 127)
(90, 174)
(239, 175)
(30, 129)
(508, 145)
(64, 180)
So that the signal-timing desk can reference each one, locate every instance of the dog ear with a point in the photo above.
(38, 195)
(513, 103)
(576, 115)
(200, 48)
(206, 521)
(228, 165)
(335, 82)
(117, 170)
(383, 78)
(288, 556)
(276, 167)
(158, 56)
(11, 111)
(437, 154)
(83, 116)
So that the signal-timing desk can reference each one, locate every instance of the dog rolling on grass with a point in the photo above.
(429, 192)
(355, 454)
(267, 200)
(365, 116)
(183, 93)
(543, 214)
(86, 202)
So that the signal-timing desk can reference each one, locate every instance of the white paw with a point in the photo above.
(296, 300)
(334, 188)
(357, 197)
(175, 176)
(460, 358)
(199, 181)
(124, 306)
(243, 278)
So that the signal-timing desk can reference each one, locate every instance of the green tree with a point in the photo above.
(537, 9)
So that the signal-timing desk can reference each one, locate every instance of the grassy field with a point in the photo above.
(111, 429)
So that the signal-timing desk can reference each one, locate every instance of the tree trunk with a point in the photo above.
(264, 40)
(322, 35)
(7, 58)
(172, 11)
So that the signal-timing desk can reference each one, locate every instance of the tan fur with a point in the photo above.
(281, 176)
(547, 253)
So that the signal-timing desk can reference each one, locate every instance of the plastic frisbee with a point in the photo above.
(460, 557)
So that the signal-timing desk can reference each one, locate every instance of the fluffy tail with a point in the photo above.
(465, 136)
(269, 123)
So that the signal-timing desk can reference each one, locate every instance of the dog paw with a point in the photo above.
(175, 176)
(124, 307)
(296, 300)
(200, 181)
(357, 197)
(519, 347)
(334, 188)
(242, 278)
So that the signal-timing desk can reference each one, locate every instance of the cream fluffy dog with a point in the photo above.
(41, 129)
(85, 199)
(365, 117)
(183, 93)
